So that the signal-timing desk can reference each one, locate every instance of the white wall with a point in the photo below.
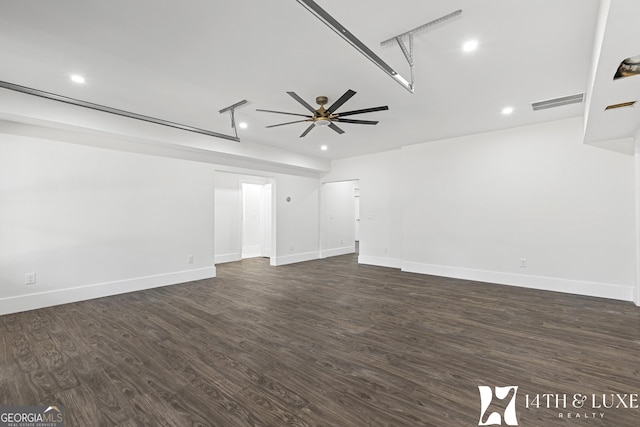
(337, 221)
(92, 222)
(480, 204)
(380, 204)
(296, 219)
(228, 205)
(294, 225)
(473, 207)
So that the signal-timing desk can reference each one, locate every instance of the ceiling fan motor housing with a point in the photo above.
(321, 100)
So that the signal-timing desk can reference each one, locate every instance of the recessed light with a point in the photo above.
(243, 125)
(324, 148)
(470, 46)
(76, 78)
(507, 110)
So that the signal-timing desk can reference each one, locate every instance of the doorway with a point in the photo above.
(356, 209)
(243, 216)
(339, 217)
(256, 220)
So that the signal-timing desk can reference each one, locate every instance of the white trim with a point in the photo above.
(64, 296)
(594, 289)
(292, 259)
(338, 251)
(380, 261)
(221, 259)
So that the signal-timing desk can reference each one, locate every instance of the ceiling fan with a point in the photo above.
(327, 116)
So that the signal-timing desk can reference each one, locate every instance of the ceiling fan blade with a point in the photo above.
(359, 122)
(364, 110)
(283, 112)
(288, 123)
(336, 128)
(308, 130)
(344, 98)
(302, 101)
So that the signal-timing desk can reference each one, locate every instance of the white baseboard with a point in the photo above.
(326, 253)
(594, 289)
(292, 259)
(379, 261)
(221, 259)
(64, 296)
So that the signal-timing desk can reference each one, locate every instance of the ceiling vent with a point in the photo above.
(621, 105)
(557, 102)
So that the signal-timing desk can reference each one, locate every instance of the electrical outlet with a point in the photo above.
(523, 263)
(190, 259)
(291, 247)
(30, 279)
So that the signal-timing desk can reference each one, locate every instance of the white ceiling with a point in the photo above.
(184, 61)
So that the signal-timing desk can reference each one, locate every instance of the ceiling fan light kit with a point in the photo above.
(322, 117)
(326, 117)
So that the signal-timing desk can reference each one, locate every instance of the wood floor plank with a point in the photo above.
(320, 343)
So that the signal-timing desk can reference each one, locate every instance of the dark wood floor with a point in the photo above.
(322, 343)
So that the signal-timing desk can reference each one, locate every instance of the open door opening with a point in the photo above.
(339, 218)
(243, 216)
(256, 220)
